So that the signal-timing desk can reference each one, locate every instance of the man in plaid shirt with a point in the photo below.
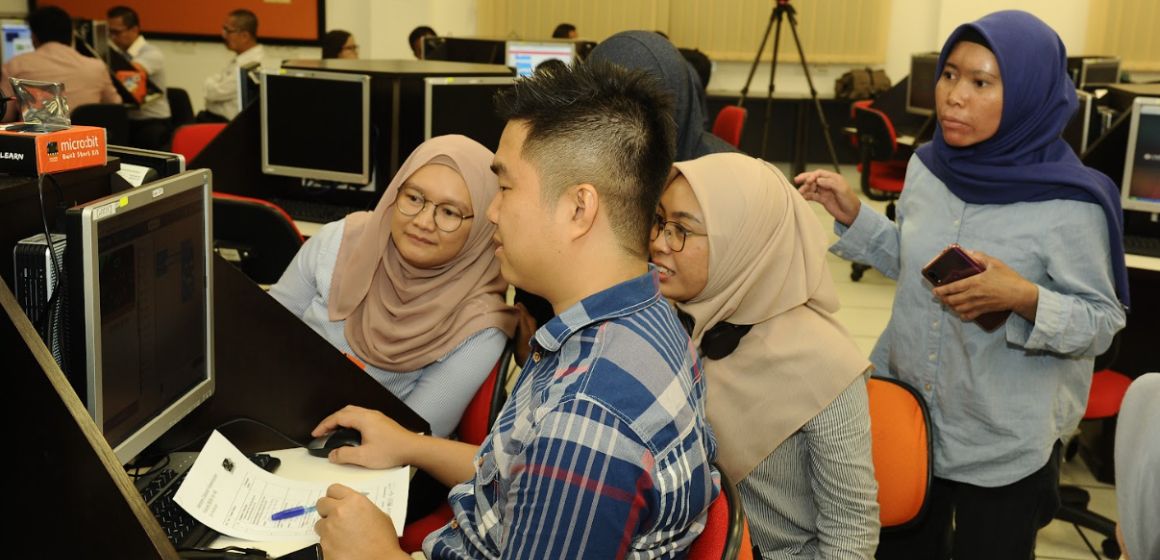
(603, 450)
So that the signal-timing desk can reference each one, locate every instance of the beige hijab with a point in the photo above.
(400, 317)
(767, 268)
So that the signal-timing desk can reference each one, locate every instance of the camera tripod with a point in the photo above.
(781, 10)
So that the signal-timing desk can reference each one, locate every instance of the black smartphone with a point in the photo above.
(954, 264)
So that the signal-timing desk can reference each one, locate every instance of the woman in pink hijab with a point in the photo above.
(412, 289)
(742, 255)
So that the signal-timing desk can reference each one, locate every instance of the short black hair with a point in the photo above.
(128, 15)
(418, 33)
(247, 21)
(562, 31)
(600, 124)
(333, 42)
(51, 23)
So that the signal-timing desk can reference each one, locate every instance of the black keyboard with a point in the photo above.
(1141, 245)
(316, 212)
(159, 488)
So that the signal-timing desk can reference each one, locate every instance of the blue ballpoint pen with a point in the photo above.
(292, 512)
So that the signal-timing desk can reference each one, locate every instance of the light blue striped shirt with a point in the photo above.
(998, 400)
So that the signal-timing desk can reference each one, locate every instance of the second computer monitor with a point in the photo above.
(316, 125)
(17, 40)
(525, 56)
(920, 86)
(1141, 183)
(1079, 127)
(1098, 72)
(464, 105)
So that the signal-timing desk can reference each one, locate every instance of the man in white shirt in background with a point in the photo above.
(240, 34)
(150, 125)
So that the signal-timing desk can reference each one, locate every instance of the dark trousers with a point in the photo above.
(988, 523)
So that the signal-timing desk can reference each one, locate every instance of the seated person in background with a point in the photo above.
(565, 31)
(339, 44)
(413, 289)
(240, 34)
(86, 80)
(742, 255)
(602, 451)
(415, 39)
(1137, 464)
(149, 125)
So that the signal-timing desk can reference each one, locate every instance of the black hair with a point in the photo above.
(51, 23)
(128, 15)
(600, 124)
(333, 42)
(563, 30)
(246, 20)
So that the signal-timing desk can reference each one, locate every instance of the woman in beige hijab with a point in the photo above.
(743, 257)
(412, 289)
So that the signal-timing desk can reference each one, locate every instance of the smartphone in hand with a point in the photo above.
(954, 264)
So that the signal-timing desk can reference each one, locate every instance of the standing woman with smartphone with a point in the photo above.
(998, 180)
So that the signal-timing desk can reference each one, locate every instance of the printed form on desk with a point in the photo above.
(235, 497)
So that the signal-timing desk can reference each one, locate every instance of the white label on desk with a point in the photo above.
(235, 497)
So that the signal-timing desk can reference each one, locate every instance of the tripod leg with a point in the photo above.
(756, 61)
(772, 74)
(813, 93)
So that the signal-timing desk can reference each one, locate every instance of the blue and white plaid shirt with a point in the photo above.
(602, 451)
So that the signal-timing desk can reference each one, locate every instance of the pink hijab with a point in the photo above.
(400, 317)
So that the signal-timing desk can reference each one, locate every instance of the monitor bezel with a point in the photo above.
(429, 85)
(92, 214)
(910, 108)
(1086, 101)
(1126, 200)
(1088, 63)
(361, 178)
(507, 50)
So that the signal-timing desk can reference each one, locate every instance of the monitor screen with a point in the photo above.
(920, 86)
(140, 166)
(1077, 129)
(1141, 185)
(249, 82)
(1099, 72)
(145, 267)
(525, 56)
(17, 40)
(464, 49)
(464, 105)
(316, 125)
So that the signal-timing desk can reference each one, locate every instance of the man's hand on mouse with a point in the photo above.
(352, 527)
(385, 443)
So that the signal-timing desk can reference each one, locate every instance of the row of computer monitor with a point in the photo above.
(523, 56)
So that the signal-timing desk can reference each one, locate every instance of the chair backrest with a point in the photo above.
(258, 236)
(729, 124)
(726, 534)
(901, 442)
(484, 407)
(853, 107)
(191, 139)
(113, 117)
(180, 107)
(876, 136)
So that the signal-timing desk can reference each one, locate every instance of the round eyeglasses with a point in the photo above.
(448, 218)
(675, 233)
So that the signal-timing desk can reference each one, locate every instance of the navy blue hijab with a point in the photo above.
(1026, 160)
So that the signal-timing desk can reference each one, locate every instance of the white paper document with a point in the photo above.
(235, 497)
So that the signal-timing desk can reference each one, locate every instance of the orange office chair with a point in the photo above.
(254, 234)
(191, 139)
(729, 124)
(476, 423)
(882, 172)
(900, 440)
(726, 534)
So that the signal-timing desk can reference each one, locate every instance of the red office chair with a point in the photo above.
(726, 534)
(189, 140)
(476, 423)
(256, 235)
(729, 124)
(882, 172)
(900, 441)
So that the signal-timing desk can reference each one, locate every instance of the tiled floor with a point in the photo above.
(865, 312)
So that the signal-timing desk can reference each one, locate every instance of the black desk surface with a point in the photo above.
(410, 68)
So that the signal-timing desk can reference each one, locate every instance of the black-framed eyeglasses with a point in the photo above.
(675, 233)
(228, 30)
(448, 218)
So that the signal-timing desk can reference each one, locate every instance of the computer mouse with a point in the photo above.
(321, 446)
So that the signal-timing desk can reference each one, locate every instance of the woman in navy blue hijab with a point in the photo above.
(998, 180)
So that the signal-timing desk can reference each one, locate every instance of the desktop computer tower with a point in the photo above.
(36, 282)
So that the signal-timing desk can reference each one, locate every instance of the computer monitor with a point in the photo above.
(920, 86)
(249, 84)
(92, 37)
(464, 105)
(464, 49)
(316, 125)
(146, 165)
(1140, 189)
(140, 269)
(525, 56)
(17, 40)
(1097, 72)
(1079, 127)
